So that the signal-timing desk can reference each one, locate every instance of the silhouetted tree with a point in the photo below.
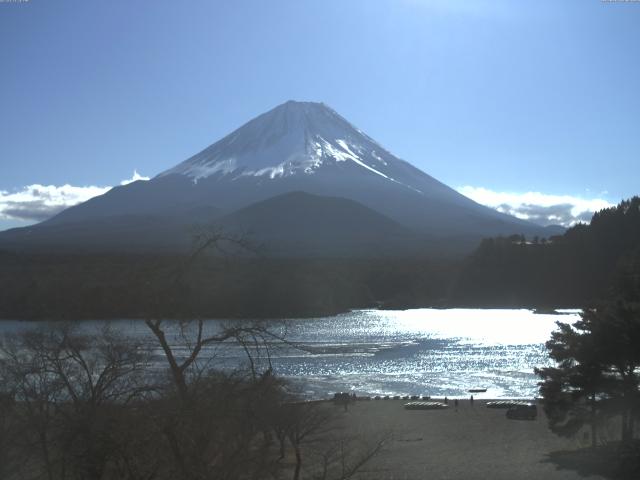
(573, 389)
(69, 388)
(615, 329)
(597, 372)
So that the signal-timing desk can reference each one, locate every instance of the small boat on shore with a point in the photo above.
(506, 404)
(425, 406)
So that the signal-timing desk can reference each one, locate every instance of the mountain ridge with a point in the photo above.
(295, 147)
(302, 224)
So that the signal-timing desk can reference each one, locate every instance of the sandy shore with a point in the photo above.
(474, 442)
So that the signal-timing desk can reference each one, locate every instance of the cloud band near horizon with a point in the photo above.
(35, 203)
(540, 208)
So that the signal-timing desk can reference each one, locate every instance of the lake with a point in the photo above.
(437, 352)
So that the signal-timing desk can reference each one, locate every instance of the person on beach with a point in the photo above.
(455, 403)
(471, 400)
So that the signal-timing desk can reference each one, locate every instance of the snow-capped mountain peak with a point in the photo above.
(293, 151)
(293, 138)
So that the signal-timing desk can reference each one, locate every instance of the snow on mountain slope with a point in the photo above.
(295, 147)
(307, 146)
(296, 138)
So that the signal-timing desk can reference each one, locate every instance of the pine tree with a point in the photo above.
(598, 370)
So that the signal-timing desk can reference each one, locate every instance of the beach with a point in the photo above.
(470, 442)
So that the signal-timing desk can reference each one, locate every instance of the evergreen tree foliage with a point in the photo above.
(568, 270)
(597, 372)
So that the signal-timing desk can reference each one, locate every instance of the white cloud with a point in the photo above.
(136, 176)
(34, 203)
(540, 208)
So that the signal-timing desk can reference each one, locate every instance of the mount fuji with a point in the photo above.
(300, 178)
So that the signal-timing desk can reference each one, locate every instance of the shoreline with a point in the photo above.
(470, 442)
(311, 315)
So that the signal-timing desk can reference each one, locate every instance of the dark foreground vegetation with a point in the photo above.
(96, 406)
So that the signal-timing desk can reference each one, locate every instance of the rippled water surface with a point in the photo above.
(424, 351)
(412, 352)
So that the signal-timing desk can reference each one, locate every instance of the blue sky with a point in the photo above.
(496, 98)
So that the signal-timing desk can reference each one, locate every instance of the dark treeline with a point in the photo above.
(564, 271)
(38, 286)
(569, 270)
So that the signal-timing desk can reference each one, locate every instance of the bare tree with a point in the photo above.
(7, 432)
(348, 455)
(193, 429)
(69, 388)
(322, 446)
(86, 405)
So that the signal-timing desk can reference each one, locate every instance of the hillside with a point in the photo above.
(567, 270)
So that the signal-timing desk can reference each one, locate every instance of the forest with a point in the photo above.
(123, 286)
(562, 271)
(570, 270)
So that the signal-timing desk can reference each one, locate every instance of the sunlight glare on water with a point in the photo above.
(435, 352)
(480, 327)
(423, 351)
